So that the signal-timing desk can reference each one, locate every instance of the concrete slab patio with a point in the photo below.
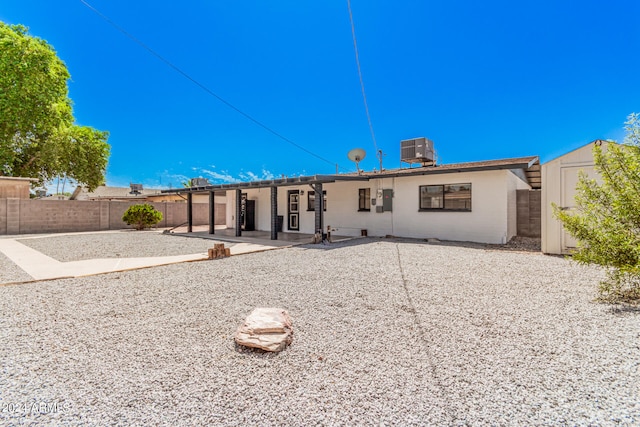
(252, 237)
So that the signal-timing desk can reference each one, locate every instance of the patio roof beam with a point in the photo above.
(324, 179)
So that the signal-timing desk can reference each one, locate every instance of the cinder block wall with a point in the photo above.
(14, 188)
(529, 205)
(20, 216)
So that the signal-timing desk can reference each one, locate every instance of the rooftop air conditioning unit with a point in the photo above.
(135, 189)
(417, 150)
(199, 182)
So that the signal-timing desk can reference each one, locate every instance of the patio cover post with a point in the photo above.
(212, 212)
(274, 213)
(238, 213)
(189, 212)
(319, 209)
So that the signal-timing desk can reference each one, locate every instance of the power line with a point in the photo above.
(200, 85)
(364, 95)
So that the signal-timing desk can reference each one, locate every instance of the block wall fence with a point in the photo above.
(27, 216)
(529, 205)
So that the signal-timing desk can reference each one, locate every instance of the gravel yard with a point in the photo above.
(386, 332)
(9, 272)
(130, 243)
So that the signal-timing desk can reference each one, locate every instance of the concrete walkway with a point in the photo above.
(43, 267)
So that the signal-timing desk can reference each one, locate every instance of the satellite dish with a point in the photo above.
(356, 155)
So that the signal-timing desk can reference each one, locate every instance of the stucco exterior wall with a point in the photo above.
(555, 175)
(491, 220)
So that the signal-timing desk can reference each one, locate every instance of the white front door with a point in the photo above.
(294, 210)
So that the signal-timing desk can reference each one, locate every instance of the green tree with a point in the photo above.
(38, 137)
(607, 220)
(142, 216)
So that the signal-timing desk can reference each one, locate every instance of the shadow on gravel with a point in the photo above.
(256, 352)
(624, 309)
(326, 246)
(517, 244)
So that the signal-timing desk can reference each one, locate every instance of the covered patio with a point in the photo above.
(315, 182)
(256, 237)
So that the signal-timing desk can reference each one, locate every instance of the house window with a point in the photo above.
(452, 197)
(311, 200)
(364, 200)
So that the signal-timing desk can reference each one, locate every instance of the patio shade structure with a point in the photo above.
(314, 181)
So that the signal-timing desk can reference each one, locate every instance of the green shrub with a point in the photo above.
(142, 216)
(607, 220)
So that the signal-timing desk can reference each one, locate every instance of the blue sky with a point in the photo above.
(483, 80)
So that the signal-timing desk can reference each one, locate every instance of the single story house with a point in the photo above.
(473, 201)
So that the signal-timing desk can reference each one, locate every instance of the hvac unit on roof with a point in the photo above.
(417, 150)
(199, 182)
(135, 189)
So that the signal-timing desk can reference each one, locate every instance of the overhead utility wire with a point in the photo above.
(364, 95)
(200, 85)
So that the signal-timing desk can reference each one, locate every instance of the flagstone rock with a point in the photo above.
(269, 329)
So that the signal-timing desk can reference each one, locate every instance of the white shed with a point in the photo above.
(559, 180)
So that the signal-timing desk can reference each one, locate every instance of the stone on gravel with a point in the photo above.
(269, 329)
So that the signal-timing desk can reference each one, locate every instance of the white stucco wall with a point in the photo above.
(231, 208)
(491, 220)
(554, 175)
(487, 222)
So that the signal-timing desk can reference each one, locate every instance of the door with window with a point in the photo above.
(293, 210)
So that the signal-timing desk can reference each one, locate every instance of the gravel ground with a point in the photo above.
(387, 332)
(10, 272)
(77, 247)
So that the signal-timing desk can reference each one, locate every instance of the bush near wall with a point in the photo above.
(142, 216)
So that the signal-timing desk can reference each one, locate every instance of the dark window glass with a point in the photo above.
(364, 199)
(452, 197)
(431, 196)
(457, 197)
(311, 200)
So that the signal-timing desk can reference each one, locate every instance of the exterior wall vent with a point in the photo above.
(417, 150)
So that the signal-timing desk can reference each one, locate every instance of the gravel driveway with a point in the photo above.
(387, 332)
